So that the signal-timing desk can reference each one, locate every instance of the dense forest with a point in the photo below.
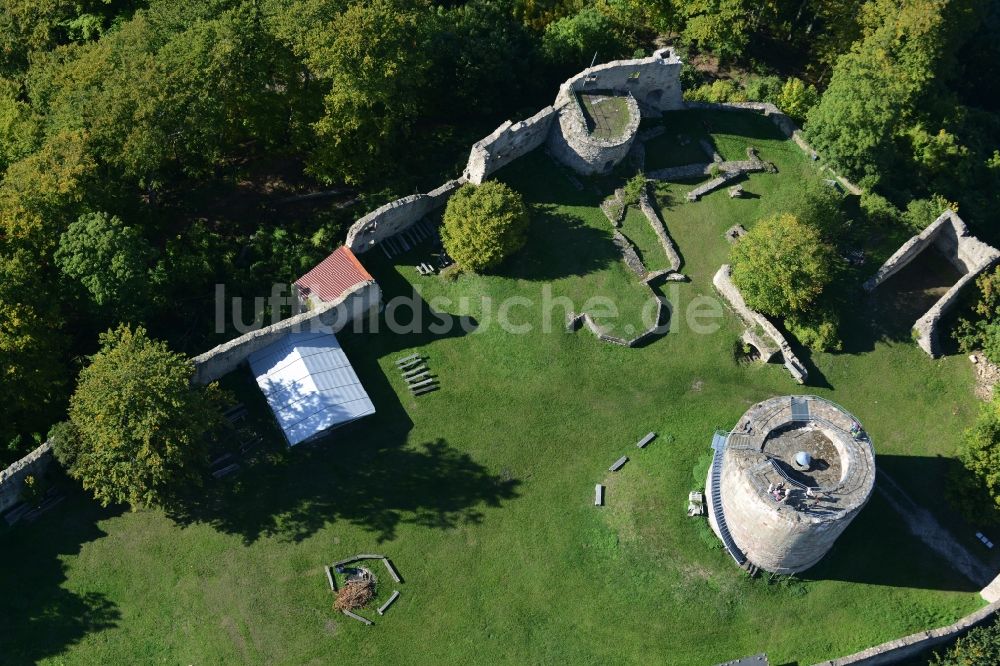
(149, 150)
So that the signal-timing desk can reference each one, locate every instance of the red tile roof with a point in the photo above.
(331, 277)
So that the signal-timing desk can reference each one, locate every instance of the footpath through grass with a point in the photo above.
(482, 492)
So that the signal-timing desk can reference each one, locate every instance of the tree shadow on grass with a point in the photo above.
(878, 547)
(561, 245)
(42, 618)
(365, 472)
(376, 487)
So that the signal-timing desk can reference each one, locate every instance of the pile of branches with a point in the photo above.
(354, 594)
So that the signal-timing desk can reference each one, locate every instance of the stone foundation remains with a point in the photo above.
(969, 255)
(758, 323)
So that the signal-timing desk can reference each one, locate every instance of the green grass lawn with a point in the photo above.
(482, 492)
(607, 116)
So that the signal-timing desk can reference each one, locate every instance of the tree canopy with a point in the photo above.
(484, 224)
(141, 425)
(109, 259)
(782, 265)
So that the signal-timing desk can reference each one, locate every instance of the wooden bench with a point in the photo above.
(646, 440)
(388, 602)
(598, 495)
(392, 570)
(618, 464)
(329, 578)
(426, 389)
(409, 365)
(362, 556)
(406, 359)
(419, 377)
(358, 617)
(225, 471)
(415, 371)
(425, 382)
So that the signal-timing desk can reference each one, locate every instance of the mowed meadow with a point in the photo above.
(482, 492)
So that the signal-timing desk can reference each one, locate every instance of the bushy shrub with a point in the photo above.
(633, 189)
(796, 98)
(975, 487)
(879, 211)
(484, 224)
(65, 443)
(920, 213)
(572, 40)
(979, 647)
(980, 328)
(32, 490)
(816, 329)
(782, 265)
(717, 92)
(763, 89)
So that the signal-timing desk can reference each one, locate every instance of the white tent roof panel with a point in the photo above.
(309, 384)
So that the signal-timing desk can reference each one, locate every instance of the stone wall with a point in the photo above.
(507, 143)
(646, 206)
(654, 81)
(724, 285)
(393, 217)
(970, 256)
(575, 321)
(577, 148)
(332, 316)
(12, 478)
(908, 647)
(782, 121)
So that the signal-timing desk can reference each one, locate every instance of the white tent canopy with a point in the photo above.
(309, 384)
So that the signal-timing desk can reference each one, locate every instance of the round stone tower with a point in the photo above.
(787, 481)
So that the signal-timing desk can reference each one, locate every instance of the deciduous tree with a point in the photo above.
(782, 265)
(110, 259)
(484, 224)
(142, 426)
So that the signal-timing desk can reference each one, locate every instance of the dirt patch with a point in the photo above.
(697, 385)
(331, 627)
(235, 636)
(987, 376)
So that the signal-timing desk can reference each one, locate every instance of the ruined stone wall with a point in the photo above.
(900, 649)
(654, 81)
(12, 478)
(970, 256)
(907, 252)
(571, 142)
(782, 121)
(652, 86)
(393, 217)
(724, 285)
(928, 333)
(507, 143)
(331, 316)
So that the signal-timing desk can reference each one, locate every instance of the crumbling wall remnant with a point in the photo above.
(969, 255)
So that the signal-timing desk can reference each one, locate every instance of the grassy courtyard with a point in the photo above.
(482, 492)
(607, 116)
